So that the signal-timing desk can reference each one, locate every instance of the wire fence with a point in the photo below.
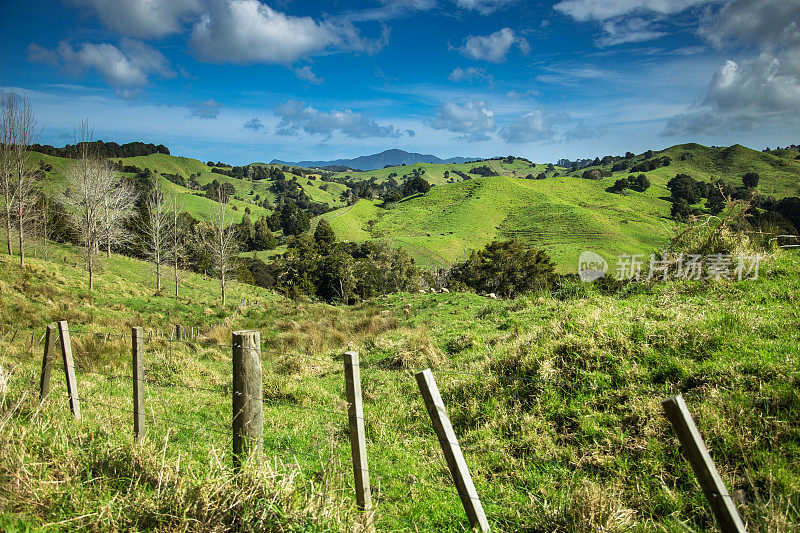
(299, 438)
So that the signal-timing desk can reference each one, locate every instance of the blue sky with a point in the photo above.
(243, 80)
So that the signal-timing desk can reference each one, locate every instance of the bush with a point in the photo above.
(750, 180)
(507, 268)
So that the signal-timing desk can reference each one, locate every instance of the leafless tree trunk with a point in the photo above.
(24, 134)
(8, 125)
(117, 208)
(90, 184)
(156, 232)
(223, 237)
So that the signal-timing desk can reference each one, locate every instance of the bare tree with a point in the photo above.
(117, 208)
(90, 183)
(223, 242)
(25, 134)
(156, 231)
(7, 125)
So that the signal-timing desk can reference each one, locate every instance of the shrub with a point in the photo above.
(506, 268)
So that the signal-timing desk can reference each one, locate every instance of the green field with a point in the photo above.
(565, 216)
(555, 398)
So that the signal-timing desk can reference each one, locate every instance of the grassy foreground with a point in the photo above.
(555, 398)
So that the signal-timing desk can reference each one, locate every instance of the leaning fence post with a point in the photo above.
(47, 360)
(137, 351)
(358, 442)
(452, 450)
(69, 368)
(248, 402)
(707, 475)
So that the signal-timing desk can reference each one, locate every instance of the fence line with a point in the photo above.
(399, 371)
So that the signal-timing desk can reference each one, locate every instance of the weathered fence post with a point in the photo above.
(69, 368)
(137, 352)
(47, 360)
(358, 441)
(707, 475)
(452, 450)
(177, 332)
(248, 402)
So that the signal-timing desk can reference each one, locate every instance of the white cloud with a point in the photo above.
(143, 18)
(494, 47)
(208, 109)
(296, 116)
(763, 22)
(573, 75)
(126, 69)
(469, 74)
(306, 74)
(537, 125)
(632, 30)
(583, 10)
(484, 7)
(753, 92)
(247, 31)
(472, 119)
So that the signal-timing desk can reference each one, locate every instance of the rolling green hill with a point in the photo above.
(249, 193)
(565, 215)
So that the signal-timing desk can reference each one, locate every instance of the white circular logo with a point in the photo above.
(591, 266)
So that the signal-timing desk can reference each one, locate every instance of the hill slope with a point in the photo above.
(565, 216)
(555, 399)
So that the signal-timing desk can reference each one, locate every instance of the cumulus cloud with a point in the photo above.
(247, 31)
(306, 74)
(254, 124)
(494, 47)
(143, 18)
(207, 110)
(126, 69)
(472, 119)
(763, 22)
(469, 74)
(583, 10)
(484, 7)
(296, 116)
(537, 125)
(755, 91)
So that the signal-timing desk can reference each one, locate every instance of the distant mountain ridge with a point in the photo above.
(392, 157)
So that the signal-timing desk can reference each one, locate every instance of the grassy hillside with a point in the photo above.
(779, 176)
(194, 201)
(555, 398)
(565, 216)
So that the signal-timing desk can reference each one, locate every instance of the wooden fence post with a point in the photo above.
(137, 352)
(47, 360)
(707, 475)
(69, 369)
(358, 441)
(452, 450)
(248, 402)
